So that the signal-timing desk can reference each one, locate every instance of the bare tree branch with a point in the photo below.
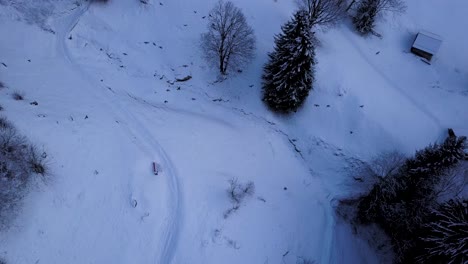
(398, 6)
(368, 10)
(323, 12)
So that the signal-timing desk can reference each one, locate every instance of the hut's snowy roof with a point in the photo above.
(427, 42)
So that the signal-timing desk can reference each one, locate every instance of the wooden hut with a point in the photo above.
(426, 44)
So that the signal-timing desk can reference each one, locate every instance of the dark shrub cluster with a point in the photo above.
(18, 96)
(19, 162)
(403, 202)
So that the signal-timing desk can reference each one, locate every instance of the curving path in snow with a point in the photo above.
(145, 139)
(134, 125)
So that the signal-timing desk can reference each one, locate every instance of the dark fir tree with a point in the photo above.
(288, 76)
(444, 238)
(400, 204)
(365, 16)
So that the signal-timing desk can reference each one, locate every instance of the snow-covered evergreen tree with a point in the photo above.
(445, 236)
(365, 16)
(435, 158)
(289, 74)
(400, 203)
(429, 166)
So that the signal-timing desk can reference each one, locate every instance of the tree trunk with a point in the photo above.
(221, 65)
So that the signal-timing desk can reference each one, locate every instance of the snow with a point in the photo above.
(370, 95)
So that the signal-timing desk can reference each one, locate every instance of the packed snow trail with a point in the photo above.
(392, 84)
(144, 138)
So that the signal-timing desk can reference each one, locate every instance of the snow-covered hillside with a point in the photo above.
(104, 77)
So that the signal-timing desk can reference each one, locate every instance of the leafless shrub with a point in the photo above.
(302, 260)
(37, 161)
(229, 40)
(398, 6)
(366, 174)
(232, 243)
(323, 12)
(231, 210)
(11, 143)
(18, 96)
(5, 124)
(454, 184)
(368, 10)
(19, 161)
(387, 163)
(237, 192)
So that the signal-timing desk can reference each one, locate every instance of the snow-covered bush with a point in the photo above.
(19, 161)
(2, 85)
(430, 166)
(289, 73)
(445, 237)
(230, 41)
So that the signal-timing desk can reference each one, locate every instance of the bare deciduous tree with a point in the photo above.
(385, 5)
(323, 12)
(388, 163)
(368, 10)
(229, 40)
(454, 184)
(391, 6)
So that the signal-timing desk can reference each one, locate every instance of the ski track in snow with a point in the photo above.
(145, 140)
(208, 118)
(391, 83)
(149, 145)
(325, 202)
